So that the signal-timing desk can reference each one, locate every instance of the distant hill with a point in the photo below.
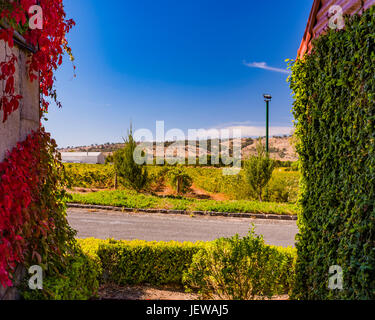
(281, 148)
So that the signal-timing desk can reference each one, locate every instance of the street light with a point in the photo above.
(267, 99)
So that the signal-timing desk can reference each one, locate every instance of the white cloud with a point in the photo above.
(263, 65)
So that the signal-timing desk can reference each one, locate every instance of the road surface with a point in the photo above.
(160, 227)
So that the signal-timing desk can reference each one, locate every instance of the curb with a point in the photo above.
(183, 212)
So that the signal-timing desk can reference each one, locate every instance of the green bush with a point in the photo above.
(241, 269)
(131, 173)
(334, 92)
(79, 281)
(258, 170)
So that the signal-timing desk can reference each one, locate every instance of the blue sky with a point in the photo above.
(191, 63)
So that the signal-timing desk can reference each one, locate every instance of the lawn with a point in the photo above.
(130, 199)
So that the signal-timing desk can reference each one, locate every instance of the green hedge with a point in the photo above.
(271, 269)
(140, 262)
(334, 91)
(79, 281)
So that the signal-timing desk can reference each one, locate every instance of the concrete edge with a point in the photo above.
(182, 212)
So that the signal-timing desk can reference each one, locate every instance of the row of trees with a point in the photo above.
(258, 170)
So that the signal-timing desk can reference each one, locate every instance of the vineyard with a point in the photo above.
(283, 187)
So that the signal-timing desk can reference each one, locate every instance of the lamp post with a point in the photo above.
(267, 99)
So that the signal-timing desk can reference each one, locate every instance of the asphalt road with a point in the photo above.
(160, 227)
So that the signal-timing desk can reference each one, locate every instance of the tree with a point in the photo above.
(258, 170)
(134, 175)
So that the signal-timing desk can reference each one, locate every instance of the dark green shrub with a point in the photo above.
(241, 269)
(334, 91)
(131, 173)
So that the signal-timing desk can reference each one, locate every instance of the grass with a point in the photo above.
(130, 199)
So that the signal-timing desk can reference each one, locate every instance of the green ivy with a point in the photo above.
(334, 92)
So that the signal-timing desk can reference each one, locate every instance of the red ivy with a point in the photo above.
(19, 177)
(50, 42)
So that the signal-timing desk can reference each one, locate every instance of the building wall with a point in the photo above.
(319, 18)
(18, 126)
(22, 121)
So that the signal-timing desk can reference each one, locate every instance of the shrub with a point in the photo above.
(78, 281)
(241, 269)
(132, 174)
(259, 170)
(334, 92)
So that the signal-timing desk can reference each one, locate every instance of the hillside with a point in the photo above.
(281, 148)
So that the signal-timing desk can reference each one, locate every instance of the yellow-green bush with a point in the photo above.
(241, 269)
(78, 281)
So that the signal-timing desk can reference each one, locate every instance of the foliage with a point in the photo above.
(334, 92)
(264, 270)
(79, 281)
(131, 199)
(259, 170)
(50, 41)
(109, 159)
(140, 262)
(179, 180)
(33, 224)
(241, 269)
(90, 175)
(283, 187)
(134, 175)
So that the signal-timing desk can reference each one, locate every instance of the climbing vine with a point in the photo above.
(33, 224)
(334, 107)
(49, 41)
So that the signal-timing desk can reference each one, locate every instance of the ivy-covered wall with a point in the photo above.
(334, 108)
(26, 118)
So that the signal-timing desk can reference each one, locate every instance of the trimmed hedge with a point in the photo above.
(334, 108)
(141, 262)
(174, 263)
